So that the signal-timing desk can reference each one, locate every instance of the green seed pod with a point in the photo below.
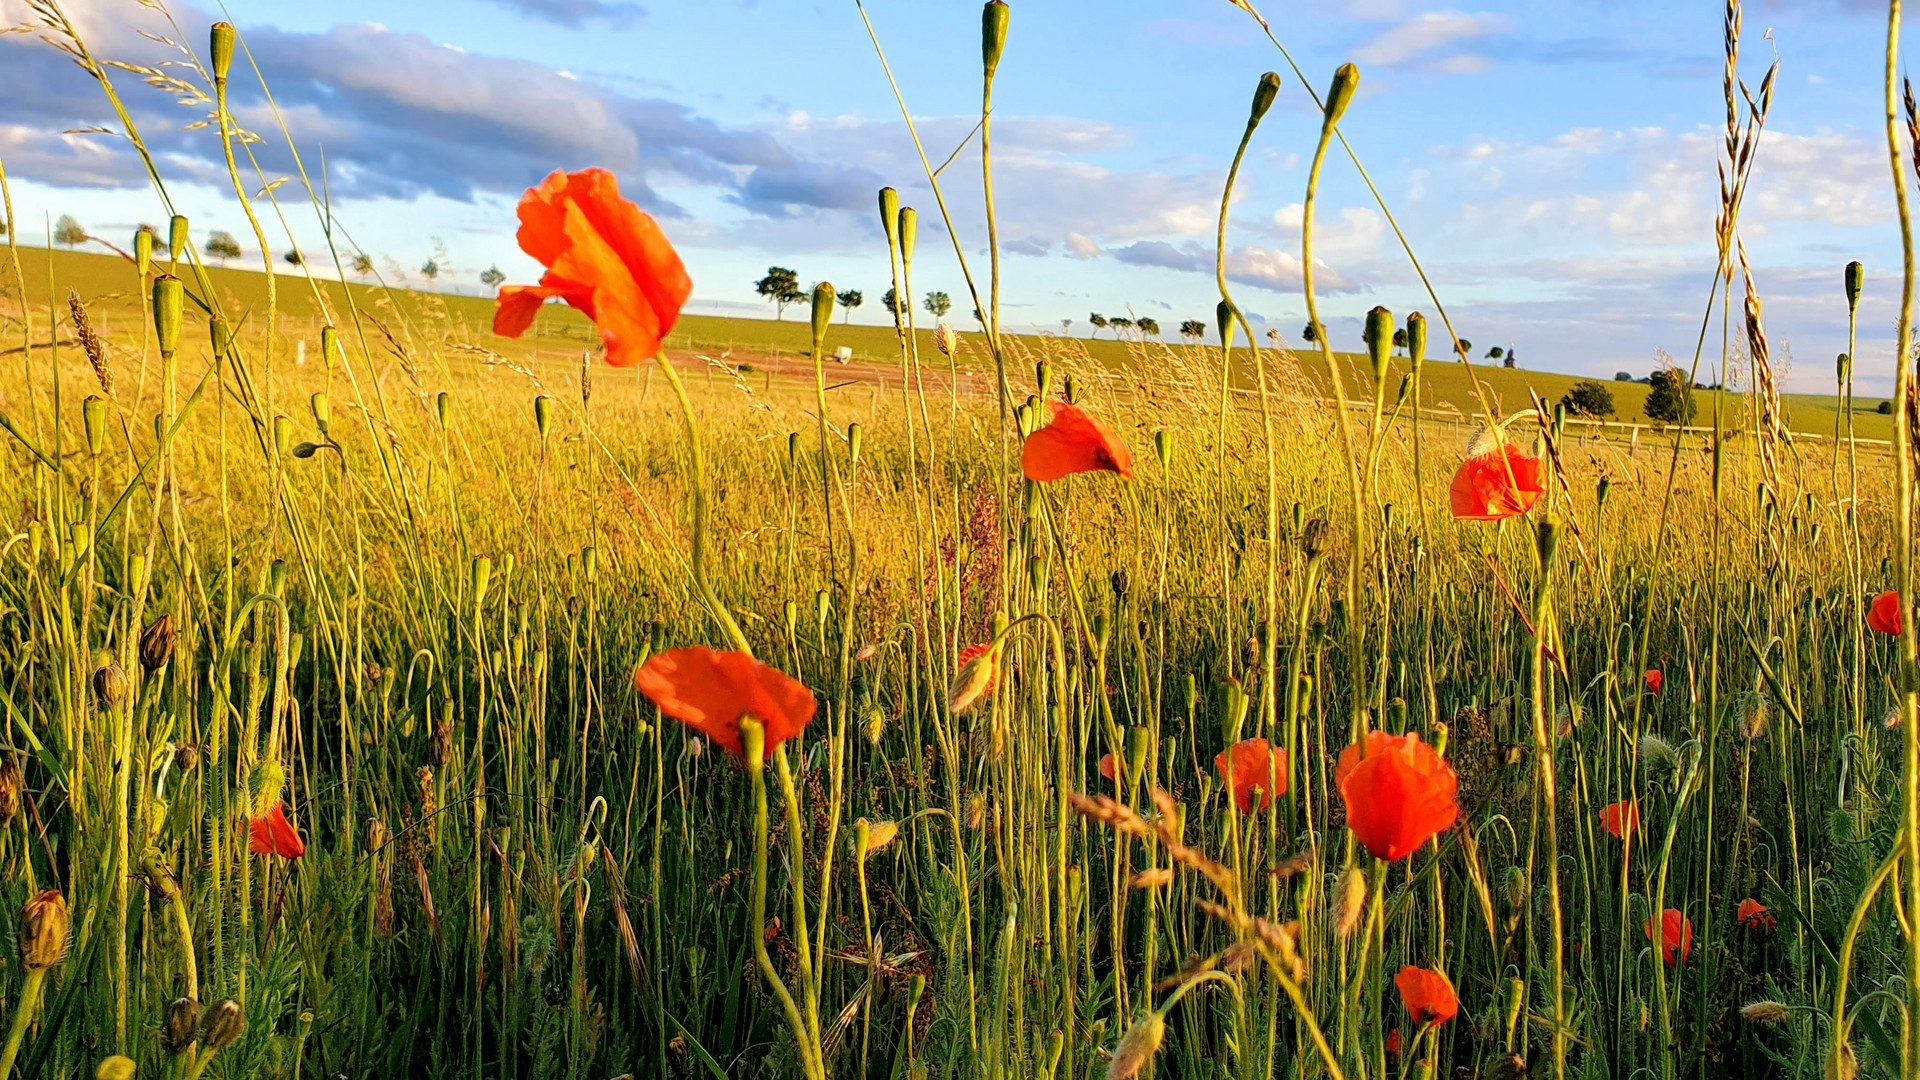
(1071, 390)
(793, 448)
(1601, 490)
(1299, 517)
(1856, 278)
(1043, 377)
(143, 252)
(909, 232)
(791, 611)
(282, 434)
(222, 333)
(482, 573)
(1139, 751)
(890, 215)
(442, 403)
(222, 49)
(177, 236)
(1263, 96)
(993, 34)
(1379, 336)
(169, 310)
(322, 406)
(1547, 540)
(329, 345)
(823, 302)
(543, 414)
(589, 563)
(1190, 692)
(1843, 367)
(1417, 339)
(854, 435)
(1023, 420)
(1223, 318)
(277, 577)
(1345, 81)
(822, 606)
(1163, 447)
(93, 416)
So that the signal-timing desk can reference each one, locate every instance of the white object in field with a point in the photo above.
(843, 354)
(300, 351)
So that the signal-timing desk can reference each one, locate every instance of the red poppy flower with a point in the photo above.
(275, 835)
(1484, 490)
(1243, 768)
(1106, 767)
(1428, 995)
(1653, 679)
(604, 256)
(969, 653)
(1621, 818)
(1073, 443)
(1755, 916)
(1399, 793)
(710, 691)
(1884, 616)
(1676, 932)
(1393, 1042)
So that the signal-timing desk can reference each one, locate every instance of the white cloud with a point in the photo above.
(1421, 35)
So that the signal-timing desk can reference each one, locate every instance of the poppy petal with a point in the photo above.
(1497, 484)
(710, 691)
(1073, 442)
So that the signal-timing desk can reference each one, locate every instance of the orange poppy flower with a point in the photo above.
(275, 835)
(1676, 933)
(1754, 916)
(1483, 489)
(968, 654)
(710, 691)
(1106, 767)
(1622, 818)
(605, 257)
(1884, 616)
(1428, 995)
(1073, 443)
(1653, 679)
(1393, 1042)
(1243, 768)
(1399, 793)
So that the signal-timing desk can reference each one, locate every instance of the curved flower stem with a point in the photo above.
(697, 484)
(753, 741)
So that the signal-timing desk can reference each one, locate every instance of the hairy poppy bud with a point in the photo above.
(1137, 1046)
(1379, 335)
(182, 1024)
(993, 33)
(823, 302)
(1345, 81)
(1843, 367)
(11, 784)
(143, 251)
(1223, 318)
(265, 783)
(109, 684)
(1263, 96)
(947, 339)
(909, 232)
(1856, 278)
(43, 930)
(1163, 447)
(282, 435)
(169, 310)
(329, 345)
(482, 574)
(222, 50)
(156, 643)
(93, 418)
(442, 405)
(177, 236)
(223, 1024)
(1416, 339)
(855, 435)
(322, 406)
(890, 215)
(222, 333)
(974, 681)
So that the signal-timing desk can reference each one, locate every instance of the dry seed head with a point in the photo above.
(1151, 879)
(1137, 1047)
(90, 342)
(1349, 901)
(43, 930)
(223, 1024)
(11, 785)
(109, 684)
(376, 837)
(1508, 1067)
(182, 1024)
(186, 758)
(1315, 538)
(1764, 1012)
(156, 643)
(947, 339)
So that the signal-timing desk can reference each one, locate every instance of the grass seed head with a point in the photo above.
(1137, 1047)
(1764, 1012)
(265, 784)
(1349, 901)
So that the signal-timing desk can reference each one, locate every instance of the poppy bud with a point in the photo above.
(182, 1023)
(946, 338)
(265, 783)
(879, 834)
(1163, 447)
(1345, 81)
(543, 414)
(177, 236)
(93, 417)
(11, 784)
(169, 309)
(1263, 96)
(222, 333)
(442, 403)
(222, 49)
(322, 406)
(43, 930)
(186, 758)
(974, 680)
(993, 34)
(823, 303)
(1601, 489)
(1856, 277)
(909, 231)
(890, 215)
(1071, 390)
(1417, 339)
(482, 573)
(1379, 337)
(329, 345)
(855, 436)
(1223, 319)
(109, 685)
(156, 643)
(1043, 377)
(143, 251)
(1842, 367)
(223, 1024)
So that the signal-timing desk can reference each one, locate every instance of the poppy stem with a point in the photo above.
(753, 739)
(697, 485)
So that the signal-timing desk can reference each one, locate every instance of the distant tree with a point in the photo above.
(781, 287)
(1149, 327)
(1400, 339)
(221, 245)
(1466, 347)
(362, 264)
(68, 231)
(1308, 334)
(1099, 322)
(492, 278)
(849, 299)
(1672, 398)
(1193, 328)
(895, 307)
(1885, 408)
(294, 257)
(1120, 324)
(1066, 325)
(938, 303)
(430, 270)
(1623, 376)
(1496, 353)
(1589, 397)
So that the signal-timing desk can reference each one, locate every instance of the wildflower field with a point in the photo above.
(397, 687)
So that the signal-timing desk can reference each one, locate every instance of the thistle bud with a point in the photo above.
(823, 302)
(186, 759)
(265, 784)
(169, 310)
(1263, 96)
(223, 1024)
(182, 1024)
(947, 339)
(156, 643)
(93, 417)
(11, 784)
(1315, 538)
(1417, 339)
(43, 930)
(109, 685)
(993, 34)
(1856, 277)
(376, 837)
(543, 415)
(909, 232)
(890, 215)
(1345, 81)
(222, 333)
(177, 236)
(1379, 335)
(143, 251)
(222, 50)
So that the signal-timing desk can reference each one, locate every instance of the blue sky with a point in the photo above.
(1553, 163)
